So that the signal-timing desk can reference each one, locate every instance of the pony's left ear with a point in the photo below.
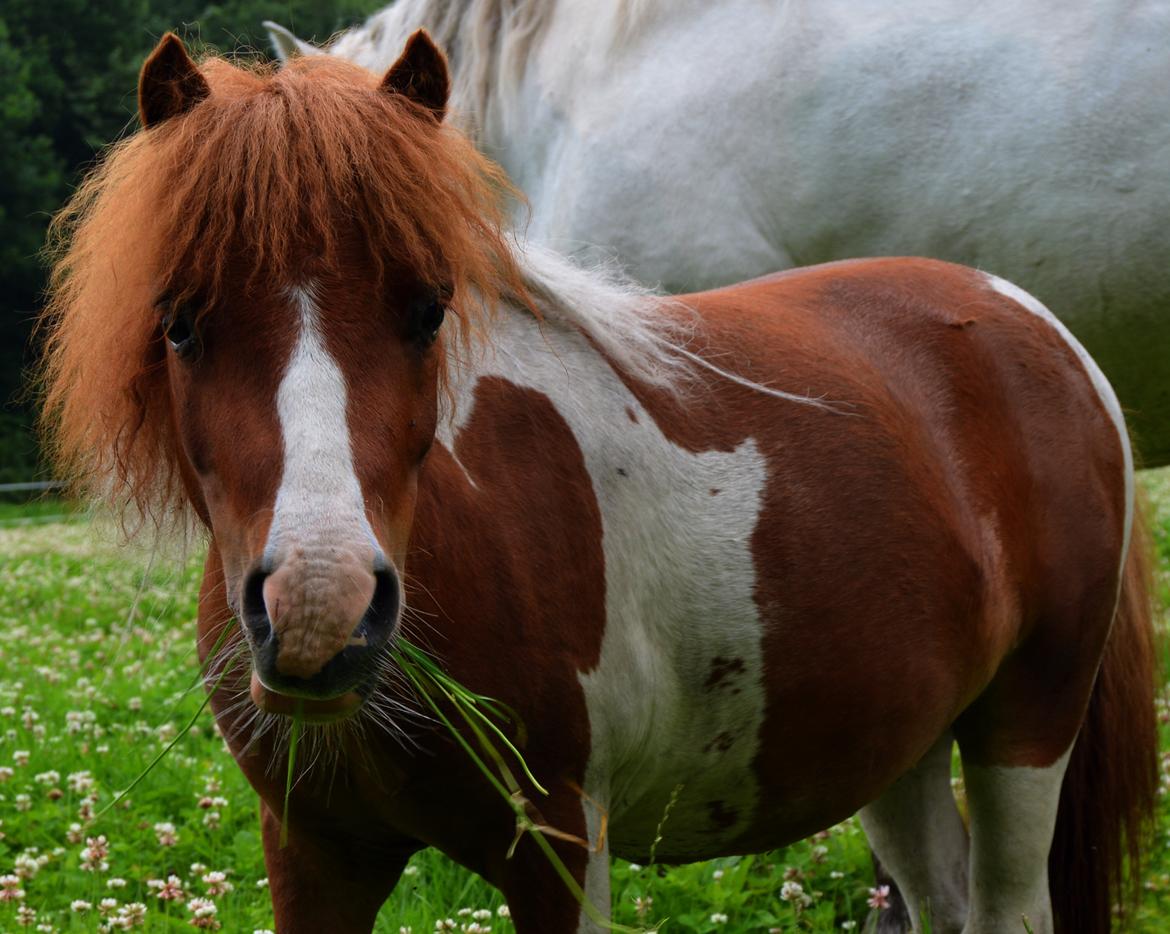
(170, 83)
(421, 75)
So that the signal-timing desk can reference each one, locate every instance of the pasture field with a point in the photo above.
(96, 671)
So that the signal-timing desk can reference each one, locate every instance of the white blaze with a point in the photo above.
(319, 503)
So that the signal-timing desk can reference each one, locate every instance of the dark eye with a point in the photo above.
(427, 317)
(179, 328)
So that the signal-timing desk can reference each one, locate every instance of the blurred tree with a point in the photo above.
(68, 76)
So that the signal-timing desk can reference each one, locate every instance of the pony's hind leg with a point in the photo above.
(916, 831)
(1013, 817)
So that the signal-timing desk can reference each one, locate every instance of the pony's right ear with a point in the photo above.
(421, 75)
(170, 83)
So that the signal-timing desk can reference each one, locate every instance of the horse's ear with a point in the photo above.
(170, 83)
(420, 74)
(285, 44)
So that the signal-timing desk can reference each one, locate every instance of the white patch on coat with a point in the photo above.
(319, 505)
(1100, 383)
(680, 584)
(1013, 816)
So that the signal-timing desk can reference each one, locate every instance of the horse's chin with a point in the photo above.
(312, 710)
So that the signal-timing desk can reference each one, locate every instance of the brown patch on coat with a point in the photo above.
(722, 817)
(721, 743)
(722, 672)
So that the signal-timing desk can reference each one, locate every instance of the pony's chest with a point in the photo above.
(675, 701)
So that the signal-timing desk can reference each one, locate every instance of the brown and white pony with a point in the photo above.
(768, 551)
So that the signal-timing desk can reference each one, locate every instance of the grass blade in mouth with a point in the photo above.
(294, 737)
(430, 680)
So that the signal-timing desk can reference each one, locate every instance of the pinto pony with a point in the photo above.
(763, 554)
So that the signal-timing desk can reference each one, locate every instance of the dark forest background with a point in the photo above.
(68, 79)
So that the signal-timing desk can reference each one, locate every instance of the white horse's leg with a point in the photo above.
(916, 831)
(1013, 816)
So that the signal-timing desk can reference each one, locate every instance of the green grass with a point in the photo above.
(35, 511)
(92, 689)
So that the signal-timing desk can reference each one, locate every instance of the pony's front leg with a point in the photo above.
(319, 884)
(539, 899)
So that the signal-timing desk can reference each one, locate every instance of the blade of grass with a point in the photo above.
(467, 702)
(294, 737)
(439, 681)
(174, 742)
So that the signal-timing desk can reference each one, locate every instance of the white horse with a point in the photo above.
(703, 143)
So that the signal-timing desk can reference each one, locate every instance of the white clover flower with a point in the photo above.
(202, 907)
(10, 890)
(718, 918)
(93, 856)
(132, 915)
(80, 782)
(217, 883)
(80, 906)
(794, 892)
(26, 865)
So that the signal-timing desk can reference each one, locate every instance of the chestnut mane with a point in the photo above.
(271, 170)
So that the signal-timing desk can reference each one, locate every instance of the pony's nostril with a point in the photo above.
(255, 612)
(378, 622)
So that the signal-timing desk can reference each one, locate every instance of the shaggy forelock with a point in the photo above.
(273, 170)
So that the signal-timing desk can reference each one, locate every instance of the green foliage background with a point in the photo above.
(68, 75)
